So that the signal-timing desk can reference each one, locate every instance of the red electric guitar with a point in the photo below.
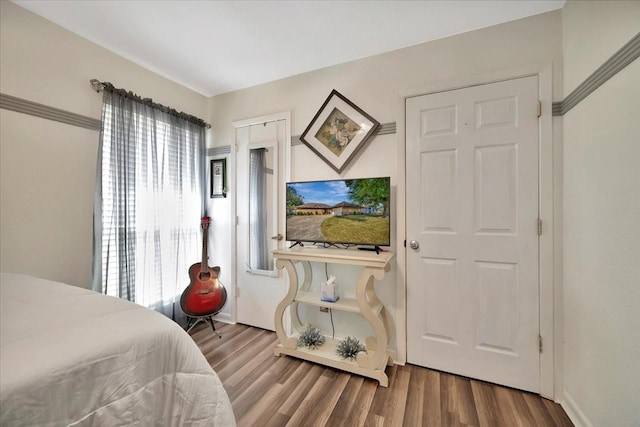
(205, 295)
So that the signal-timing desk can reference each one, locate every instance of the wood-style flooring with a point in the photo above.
(266, 390)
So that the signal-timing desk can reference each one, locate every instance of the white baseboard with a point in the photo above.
(223, 317)
(577, 417)
(394, 357)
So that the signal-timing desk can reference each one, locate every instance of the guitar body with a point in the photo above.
(205, 295)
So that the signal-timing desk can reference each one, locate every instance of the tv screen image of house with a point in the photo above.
(347, 211)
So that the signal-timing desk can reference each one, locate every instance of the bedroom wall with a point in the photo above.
(376, 84)
(47, 169)
(601, 220)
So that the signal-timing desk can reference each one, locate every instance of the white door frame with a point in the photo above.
(550, 330)
(286, 116)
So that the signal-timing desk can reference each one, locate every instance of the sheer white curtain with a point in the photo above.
(148, 204)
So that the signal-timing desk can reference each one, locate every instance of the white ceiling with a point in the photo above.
(215, 47)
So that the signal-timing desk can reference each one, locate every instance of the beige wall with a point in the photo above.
(377, 85)
(601, 220)
(47, 169)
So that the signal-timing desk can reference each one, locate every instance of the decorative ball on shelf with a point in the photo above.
(349, 348)
(311, 338)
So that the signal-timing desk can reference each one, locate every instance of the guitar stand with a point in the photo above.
(193, 321)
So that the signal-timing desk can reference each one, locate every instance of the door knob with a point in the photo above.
(278, 237)
(414, 244)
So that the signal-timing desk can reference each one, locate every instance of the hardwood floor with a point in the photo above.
(266, 390)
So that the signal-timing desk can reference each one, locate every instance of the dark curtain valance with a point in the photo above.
(106, 86)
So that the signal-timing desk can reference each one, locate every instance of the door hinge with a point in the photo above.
(539, 227)
(539, 110)
(540, 343)
(405, 243)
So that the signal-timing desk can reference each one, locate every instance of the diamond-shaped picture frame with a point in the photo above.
(338, 131)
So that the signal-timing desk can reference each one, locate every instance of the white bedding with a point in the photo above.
(69, 356)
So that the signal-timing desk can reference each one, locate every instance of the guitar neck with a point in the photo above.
(204, 266)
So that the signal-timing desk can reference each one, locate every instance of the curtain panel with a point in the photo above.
(148, 203)
(258, 240)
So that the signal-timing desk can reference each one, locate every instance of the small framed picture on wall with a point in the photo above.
(218, 175)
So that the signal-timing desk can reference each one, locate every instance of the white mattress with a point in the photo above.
(69, 356)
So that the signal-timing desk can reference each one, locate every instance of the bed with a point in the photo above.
(70, 356)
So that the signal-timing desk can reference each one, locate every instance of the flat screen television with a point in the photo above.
(339, 212)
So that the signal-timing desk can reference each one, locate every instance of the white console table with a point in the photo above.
(371, 364)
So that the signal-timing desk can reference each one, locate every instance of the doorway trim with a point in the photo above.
(549, 240)
(286, 116)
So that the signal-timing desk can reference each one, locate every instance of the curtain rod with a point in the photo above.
(99, 86)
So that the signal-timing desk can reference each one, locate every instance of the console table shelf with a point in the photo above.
(344, 304)
(371, 364)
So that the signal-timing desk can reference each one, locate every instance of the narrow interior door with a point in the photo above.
(260, 286)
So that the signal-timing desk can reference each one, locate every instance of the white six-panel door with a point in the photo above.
(472, 212)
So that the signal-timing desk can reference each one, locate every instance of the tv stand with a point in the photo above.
(325, 245)
(371, 363)
(296, 243)
(377, 249)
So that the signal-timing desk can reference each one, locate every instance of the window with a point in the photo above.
(149, 202)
